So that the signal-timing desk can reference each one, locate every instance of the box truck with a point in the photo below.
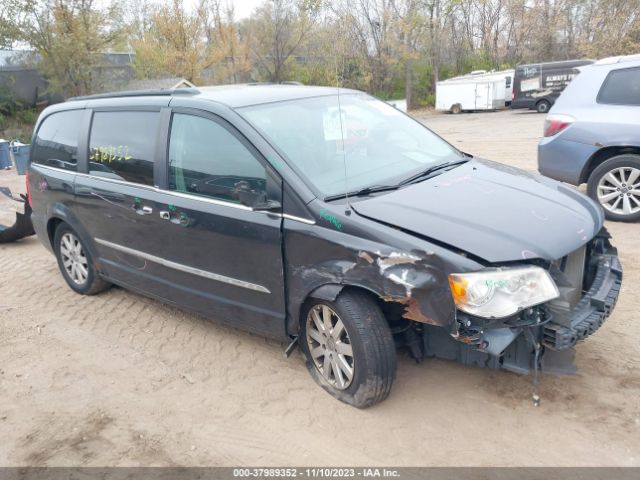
(536, 86)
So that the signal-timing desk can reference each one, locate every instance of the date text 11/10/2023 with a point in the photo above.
(320, 472)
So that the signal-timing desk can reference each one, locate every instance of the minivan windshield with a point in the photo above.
(370, 143)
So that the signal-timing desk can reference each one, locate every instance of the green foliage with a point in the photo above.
(70, 37)
(423, 85)
(8, 103)
(16, 118)
(27, 116)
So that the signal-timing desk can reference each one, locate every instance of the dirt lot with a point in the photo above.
(118, 379)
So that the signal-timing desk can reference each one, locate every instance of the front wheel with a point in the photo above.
(615, 184)
(349, 348)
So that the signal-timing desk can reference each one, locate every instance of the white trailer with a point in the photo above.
(478, 90)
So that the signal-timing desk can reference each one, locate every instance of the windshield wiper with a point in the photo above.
(364, 191)
(430, 171)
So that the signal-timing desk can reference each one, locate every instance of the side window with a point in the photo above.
(205, 158)
(122, 145)
(621, 87)
(56, 143)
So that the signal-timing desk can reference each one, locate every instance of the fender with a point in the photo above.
(61, 212)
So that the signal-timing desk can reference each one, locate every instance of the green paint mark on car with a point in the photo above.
(331, 218)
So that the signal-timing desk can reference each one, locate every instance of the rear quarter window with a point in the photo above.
(56, 143)
(122, 145)
(621, 87)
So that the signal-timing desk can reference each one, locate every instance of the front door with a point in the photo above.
(223, 257)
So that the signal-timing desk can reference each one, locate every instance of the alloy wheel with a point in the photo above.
(330, 346)
(74, 259)
(619, 190)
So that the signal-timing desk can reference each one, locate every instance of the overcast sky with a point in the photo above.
(243, 8)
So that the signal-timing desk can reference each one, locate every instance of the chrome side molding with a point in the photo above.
(183, 268)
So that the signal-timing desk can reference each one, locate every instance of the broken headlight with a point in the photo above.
(501, 292)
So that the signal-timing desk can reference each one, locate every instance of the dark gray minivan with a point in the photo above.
(324, 218)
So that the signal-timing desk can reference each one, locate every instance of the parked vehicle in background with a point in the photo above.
(331, 221)
(592, 135)
(538, 85)
(478, 90)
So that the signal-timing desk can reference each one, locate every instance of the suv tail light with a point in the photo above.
(28, 190)
(554, 124)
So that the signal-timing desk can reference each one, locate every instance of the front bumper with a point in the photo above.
(590, 280)
(592, 309)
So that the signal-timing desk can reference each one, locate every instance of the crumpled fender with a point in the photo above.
(321, 267)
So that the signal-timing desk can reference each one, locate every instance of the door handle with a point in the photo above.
(165, 215)
(144, 210)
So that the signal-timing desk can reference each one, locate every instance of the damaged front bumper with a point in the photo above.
(22, 226)
(589, 281)
(592, 309)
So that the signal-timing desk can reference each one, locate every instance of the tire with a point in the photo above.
(72, 254)
(543, 106)
(619, 175)
(456, 109)
(366, 335)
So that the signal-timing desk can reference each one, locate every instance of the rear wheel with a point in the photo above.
(615, 184)
(543, 106)
(457, 108)
(349, 348)
(76, 263)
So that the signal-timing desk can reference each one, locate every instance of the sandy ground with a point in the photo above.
(118, 379)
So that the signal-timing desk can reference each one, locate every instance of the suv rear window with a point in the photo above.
(56, 143)
(122, 145)
(621, 87)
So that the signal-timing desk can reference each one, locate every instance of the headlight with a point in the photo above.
(500, 292)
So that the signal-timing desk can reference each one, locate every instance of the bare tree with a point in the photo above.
(278, 29)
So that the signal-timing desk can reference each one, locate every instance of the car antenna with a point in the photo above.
(347, 210)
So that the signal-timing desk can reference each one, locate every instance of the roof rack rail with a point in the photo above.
(140, 93)
(283, 82)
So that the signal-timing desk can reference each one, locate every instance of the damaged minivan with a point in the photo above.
(324, 218)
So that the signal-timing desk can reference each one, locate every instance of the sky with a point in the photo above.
(243, 8)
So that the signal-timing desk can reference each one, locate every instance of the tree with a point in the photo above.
(278, 29)
(69, 37)
(175, 43)
(231, 51)
(11, 22)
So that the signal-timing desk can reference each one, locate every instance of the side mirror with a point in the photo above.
(257, 200)
(268, 206)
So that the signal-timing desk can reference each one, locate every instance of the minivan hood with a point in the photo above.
(492, 211)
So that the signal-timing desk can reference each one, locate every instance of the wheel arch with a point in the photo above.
(59, 214)
(329, 292)
(604, 154)
(52, 225)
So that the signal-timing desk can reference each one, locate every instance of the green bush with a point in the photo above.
(27, 116)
